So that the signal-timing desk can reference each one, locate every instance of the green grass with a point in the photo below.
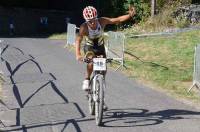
(58, 36)
(172, 62)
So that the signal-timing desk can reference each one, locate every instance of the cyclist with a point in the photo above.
(92, 30)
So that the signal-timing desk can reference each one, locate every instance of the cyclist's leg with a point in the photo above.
(88, 53)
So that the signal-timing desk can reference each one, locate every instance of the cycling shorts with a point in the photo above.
(95, 48)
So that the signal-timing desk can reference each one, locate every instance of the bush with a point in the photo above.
(143, 9)
(182, 23)
(158, 23)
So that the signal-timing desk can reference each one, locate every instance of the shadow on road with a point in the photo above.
(132, 117)
(17, 63)
(64, 128)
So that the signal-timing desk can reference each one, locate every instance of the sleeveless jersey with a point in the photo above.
(95, 35)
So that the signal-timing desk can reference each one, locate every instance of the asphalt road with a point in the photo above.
(42, 93)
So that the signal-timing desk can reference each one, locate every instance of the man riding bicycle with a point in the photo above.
(92, 30)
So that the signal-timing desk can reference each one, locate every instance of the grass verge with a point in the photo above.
(58, 36)
(168, 62)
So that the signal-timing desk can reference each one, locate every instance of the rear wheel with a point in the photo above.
(100, 86)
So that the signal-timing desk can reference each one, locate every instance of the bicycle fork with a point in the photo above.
(94, 90)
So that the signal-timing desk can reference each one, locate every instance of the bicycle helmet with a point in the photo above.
(89, 13)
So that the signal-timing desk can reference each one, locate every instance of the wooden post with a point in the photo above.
(153, 7)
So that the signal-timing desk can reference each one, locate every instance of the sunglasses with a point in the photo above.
(91, 20)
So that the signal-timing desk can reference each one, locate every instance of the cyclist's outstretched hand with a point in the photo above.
(131, 10)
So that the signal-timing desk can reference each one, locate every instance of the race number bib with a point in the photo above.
(99, 64)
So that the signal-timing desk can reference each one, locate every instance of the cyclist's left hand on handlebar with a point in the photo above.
(132, 11)
(79, 58)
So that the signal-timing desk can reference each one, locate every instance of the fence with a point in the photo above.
(71, 33)
(196, 74)
(115, 47)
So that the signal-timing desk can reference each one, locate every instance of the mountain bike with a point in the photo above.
(97, 87)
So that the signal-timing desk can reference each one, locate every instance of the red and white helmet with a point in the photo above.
(89, 12)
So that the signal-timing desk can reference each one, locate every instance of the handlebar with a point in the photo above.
(90, 60)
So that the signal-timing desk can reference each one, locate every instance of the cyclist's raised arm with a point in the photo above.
(106, 20)
(78, 41)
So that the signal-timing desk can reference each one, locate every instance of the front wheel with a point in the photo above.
(91, 101)
(100, 86)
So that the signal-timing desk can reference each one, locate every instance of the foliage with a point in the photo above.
(114, 8)
(137, 4)
(182, 23)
